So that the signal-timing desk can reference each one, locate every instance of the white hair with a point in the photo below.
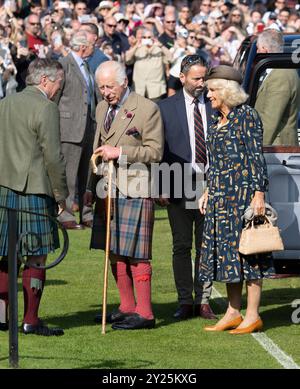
(230, 92)
(272, 40)
(80, 38)
(116, 68)
(43, 67)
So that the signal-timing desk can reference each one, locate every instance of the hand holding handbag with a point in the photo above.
(260, 238)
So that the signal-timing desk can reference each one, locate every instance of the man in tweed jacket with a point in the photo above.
(129, 131)
(33, 178)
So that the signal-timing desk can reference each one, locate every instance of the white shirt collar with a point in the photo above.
(190, 99)
(78, 59)
(124, 98)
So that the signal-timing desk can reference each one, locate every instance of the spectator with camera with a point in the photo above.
(149, 58)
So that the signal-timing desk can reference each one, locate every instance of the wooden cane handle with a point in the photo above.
(93, 162)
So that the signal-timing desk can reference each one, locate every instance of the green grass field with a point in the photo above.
(73, 296)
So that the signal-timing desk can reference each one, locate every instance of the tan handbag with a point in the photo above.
(260, 238)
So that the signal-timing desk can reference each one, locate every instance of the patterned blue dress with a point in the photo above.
(237, 170)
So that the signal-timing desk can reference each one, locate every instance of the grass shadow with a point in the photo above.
(163, 313)
(279, 296)
(277, 317)
(77, 319)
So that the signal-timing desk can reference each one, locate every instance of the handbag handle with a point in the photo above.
(250, 224)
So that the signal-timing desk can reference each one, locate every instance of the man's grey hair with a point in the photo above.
(272, 40)
(113, 66)
(43, 67)
(80, 38)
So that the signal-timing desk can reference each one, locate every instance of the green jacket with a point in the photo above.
(278, 102)
(30, 152)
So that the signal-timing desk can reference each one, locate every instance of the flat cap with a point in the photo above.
(224, 72)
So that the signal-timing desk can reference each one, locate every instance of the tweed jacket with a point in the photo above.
(278, 102)
(30, 154)
(73, 102)
(138, 129)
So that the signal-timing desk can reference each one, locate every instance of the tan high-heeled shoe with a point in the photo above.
(256, 326)
(227, 326)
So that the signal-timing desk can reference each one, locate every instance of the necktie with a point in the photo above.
(110, 117)
(91, 88)
(200, 147)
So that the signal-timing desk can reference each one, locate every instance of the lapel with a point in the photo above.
(75, 68)
(121, 121)
(262, 86)
(182, 116)
(264, 82)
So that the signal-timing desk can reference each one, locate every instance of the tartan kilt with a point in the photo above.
(41, 226)
(131, 227)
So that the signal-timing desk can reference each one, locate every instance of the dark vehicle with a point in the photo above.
(283, 161)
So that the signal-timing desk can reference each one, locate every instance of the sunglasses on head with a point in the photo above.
(191, 60)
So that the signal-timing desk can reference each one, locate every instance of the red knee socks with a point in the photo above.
(122, 275)
(33, 284)
(141, 273)
(3, 290)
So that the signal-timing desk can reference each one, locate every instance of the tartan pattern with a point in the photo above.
(132, 228)
(200, 146)
(42, 226)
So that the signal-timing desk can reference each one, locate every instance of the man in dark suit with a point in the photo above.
(77, 125)
(186, 117)
(33, 178)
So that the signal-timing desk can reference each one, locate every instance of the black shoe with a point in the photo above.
(134, 322)
(113, 317)
(3, 326)
(184, 312)
(41, 329)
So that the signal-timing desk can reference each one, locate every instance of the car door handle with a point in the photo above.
(291, 164)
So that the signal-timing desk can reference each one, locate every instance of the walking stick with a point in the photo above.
(107, 245)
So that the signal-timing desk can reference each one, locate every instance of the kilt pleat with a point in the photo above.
(43, 227)
(131, 228)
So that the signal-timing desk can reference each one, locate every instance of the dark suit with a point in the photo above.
(77, 134)
(183, 220)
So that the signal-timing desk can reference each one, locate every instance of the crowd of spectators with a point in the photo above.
(150, 38)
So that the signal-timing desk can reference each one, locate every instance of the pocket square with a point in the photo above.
(133, 131)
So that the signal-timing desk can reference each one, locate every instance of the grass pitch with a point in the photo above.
(73, 296)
